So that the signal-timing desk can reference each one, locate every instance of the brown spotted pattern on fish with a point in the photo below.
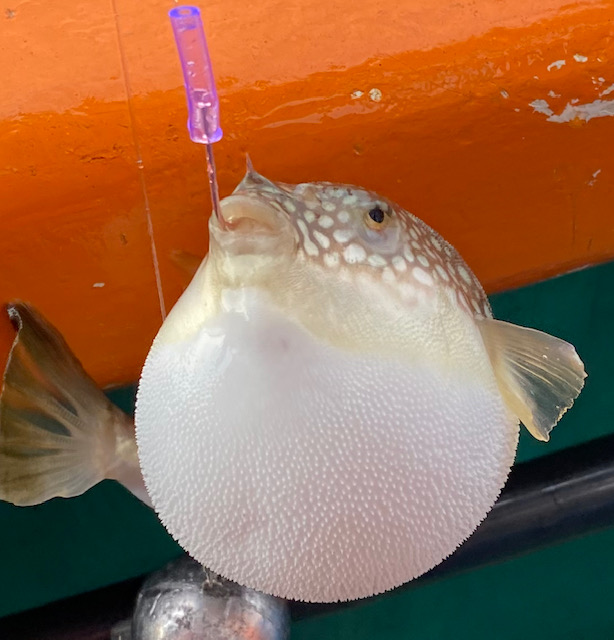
(329, 217)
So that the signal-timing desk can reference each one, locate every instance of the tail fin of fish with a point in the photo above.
(59, 434)
(187, 263)
(539, 376)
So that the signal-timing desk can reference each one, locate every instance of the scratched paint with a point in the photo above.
(593, 179)
(557, 64)
(575, 111)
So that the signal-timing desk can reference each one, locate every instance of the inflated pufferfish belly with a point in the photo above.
(318, 474)
(330, 410)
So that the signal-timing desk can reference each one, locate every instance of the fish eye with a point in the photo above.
(377, 215)
(375, 218)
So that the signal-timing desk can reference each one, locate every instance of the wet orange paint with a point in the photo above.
(427, 103)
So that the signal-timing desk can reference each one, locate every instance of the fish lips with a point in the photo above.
(252, 226)
(245, 214)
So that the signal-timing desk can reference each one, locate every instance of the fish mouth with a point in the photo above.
(246, 215)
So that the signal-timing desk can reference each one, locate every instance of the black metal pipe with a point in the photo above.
(556, 497)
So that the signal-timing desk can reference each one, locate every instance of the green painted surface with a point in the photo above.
(563, 593)
(578, 307)
(70, 546)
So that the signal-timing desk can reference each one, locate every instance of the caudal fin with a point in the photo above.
(59, 434)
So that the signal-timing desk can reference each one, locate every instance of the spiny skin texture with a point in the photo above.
(313, 474)
(318, 417)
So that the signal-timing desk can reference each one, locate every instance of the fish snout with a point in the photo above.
(247, 215)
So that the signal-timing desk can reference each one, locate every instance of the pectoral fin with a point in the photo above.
(538, 375)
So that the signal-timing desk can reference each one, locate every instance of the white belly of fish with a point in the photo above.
(311, 473)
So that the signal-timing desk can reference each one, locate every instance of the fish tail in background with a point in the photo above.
(539, 376)
(59, 433)
(187, 263)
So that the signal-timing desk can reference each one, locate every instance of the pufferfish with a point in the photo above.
(328, 411)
